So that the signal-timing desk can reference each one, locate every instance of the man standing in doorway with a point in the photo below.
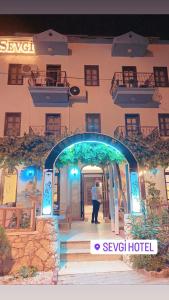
(96, 201)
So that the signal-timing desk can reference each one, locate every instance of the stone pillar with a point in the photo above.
(128, 188)
(47, 192)
(135, 193)
(116, 200)
(128, 236)
(111, 198)
(48, 238)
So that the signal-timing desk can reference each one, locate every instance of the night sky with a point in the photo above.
(106, 25)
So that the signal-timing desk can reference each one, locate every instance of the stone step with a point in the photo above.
(75, 244)
(85, 255)
(64, 227)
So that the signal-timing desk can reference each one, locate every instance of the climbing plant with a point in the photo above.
(89, 153)
(27, 150)
(33, 149)
(149, 153)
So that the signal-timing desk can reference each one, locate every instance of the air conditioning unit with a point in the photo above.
(28, 70)
(77, 93)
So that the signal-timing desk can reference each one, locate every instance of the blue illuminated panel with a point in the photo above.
(135, 193)
(47, 194)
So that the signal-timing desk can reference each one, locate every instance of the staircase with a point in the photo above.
(79, 251)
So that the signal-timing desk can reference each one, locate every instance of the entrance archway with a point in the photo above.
(131, 170)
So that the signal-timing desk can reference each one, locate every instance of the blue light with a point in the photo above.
(135, 193)
(154, 171)
(47, 194)
(29, 173)
(74, 171)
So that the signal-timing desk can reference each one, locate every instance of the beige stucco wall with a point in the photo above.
(17, 98)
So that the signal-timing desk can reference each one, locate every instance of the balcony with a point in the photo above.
(136, 90)
(49, 91)
(58, 134)
(146, 132)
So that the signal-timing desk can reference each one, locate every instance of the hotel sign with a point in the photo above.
(17, 47)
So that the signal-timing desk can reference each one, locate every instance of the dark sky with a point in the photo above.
(107, 25)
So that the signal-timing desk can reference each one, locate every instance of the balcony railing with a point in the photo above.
(150, 132)
(42, 79)
(136, 80)
(17, 218)
(42, 131)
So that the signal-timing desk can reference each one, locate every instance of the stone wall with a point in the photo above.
(38, 248)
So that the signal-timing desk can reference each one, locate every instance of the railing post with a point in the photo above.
(4, 218)
(18, 216)
(32, 218)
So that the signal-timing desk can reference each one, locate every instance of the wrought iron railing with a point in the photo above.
(54, 79)
(121, 132)
(135, 80)
(41, 130)
(17, 218)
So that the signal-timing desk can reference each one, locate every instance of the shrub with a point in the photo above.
(26, 272)
(148, 262)
(151, 227)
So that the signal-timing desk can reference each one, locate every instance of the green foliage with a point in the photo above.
(153, 194)
(150, 152)
(151, 227)
(26, 272)
(89, 153)
(145, 228)
(148, 262)
(27, 150)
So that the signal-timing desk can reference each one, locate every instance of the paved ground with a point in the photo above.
(103, 272)
(121, 277)
(42, 278)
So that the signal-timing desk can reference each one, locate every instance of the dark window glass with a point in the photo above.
(12, 124)
(130, 76)
(161, 76)
(53, 74)
(167, 182)
(164, 124)
(53, 124)
(93, 123)
(15, 76)
(91, 75)
(132, 122)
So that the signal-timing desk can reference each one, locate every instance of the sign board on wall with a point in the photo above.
(17, 46)
(10, 183)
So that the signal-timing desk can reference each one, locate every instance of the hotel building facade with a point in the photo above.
(83, 89)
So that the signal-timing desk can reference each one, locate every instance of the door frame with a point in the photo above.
(82, 212)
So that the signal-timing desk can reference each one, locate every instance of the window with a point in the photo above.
(130, 76)
(53, 124)
(93, 123)
(161, 76)
(132, 122)
(166, 174)
(14, 74)
(12, 124)
(53, 74)
(91, 75)
(164, 124)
